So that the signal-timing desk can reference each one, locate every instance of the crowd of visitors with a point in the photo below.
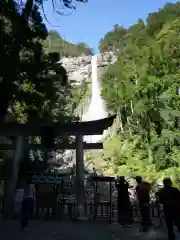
(168, 197)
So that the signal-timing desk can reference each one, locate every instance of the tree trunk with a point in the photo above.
(120, 122)
(129, 126)
(11, 177)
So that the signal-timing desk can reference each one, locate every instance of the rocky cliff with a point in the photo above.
(79, 68)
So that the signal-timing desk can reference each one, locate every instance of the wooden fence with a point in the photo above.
(100, 211)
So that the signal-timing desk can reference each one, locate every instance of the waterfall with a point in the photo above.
(95, 111)
(96, 108)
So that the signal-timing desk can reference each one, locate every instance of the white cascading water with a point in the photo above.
(95, 111)
(96, 108)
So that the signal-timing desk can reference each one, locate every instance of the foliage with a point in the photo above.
(80, 97)
(143, 88)
(55, 43)
(60, 5)
(33, 84)
(22, 31)
(41, 91)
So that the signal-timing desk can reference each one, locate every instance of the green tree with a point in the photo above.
(19, 31)
(142, 87)
(55, 43)
(32, 82)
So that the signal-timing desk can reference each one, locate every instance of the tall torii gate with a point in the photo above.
(78, 129)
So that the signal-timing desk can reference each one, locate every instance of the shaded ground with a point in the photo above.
(75, 230)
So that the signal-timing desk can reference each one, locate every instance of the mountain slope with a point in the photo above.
(55, 43)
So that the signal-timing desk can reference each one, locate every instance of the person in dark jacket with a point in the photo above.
(143, 196)
(169, 197)
(27, 204)
(125, 216)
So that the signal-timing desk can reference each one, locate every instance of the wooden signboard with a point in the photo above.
(41, 179)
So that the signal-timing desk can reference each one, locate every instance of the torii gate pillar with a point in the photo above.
(80, 190)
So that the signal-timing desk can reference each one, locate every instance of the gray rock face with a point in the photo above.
(67, 162)
(79, 68)
(106, 59)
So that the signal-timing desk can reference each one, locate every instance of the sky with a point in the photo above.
(91, 21)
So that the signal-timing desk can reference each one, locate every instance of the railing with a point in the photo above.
(101, 210)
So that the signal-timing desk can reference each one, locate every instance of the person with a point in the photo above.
(19, 195)
(27, 206)
(125, 216)
(94, 173)
(143, 196)
(169, 197)
(158, 209)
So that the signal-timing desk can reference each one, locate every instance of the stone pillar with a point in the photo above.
(80, 191)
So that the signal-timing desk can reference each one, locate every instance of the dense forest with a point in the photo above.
(34, 86)
(143, 88)
(55, 43)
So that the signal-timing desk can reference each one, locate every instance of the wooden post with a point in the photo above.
(46, 156)
(80, 191)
